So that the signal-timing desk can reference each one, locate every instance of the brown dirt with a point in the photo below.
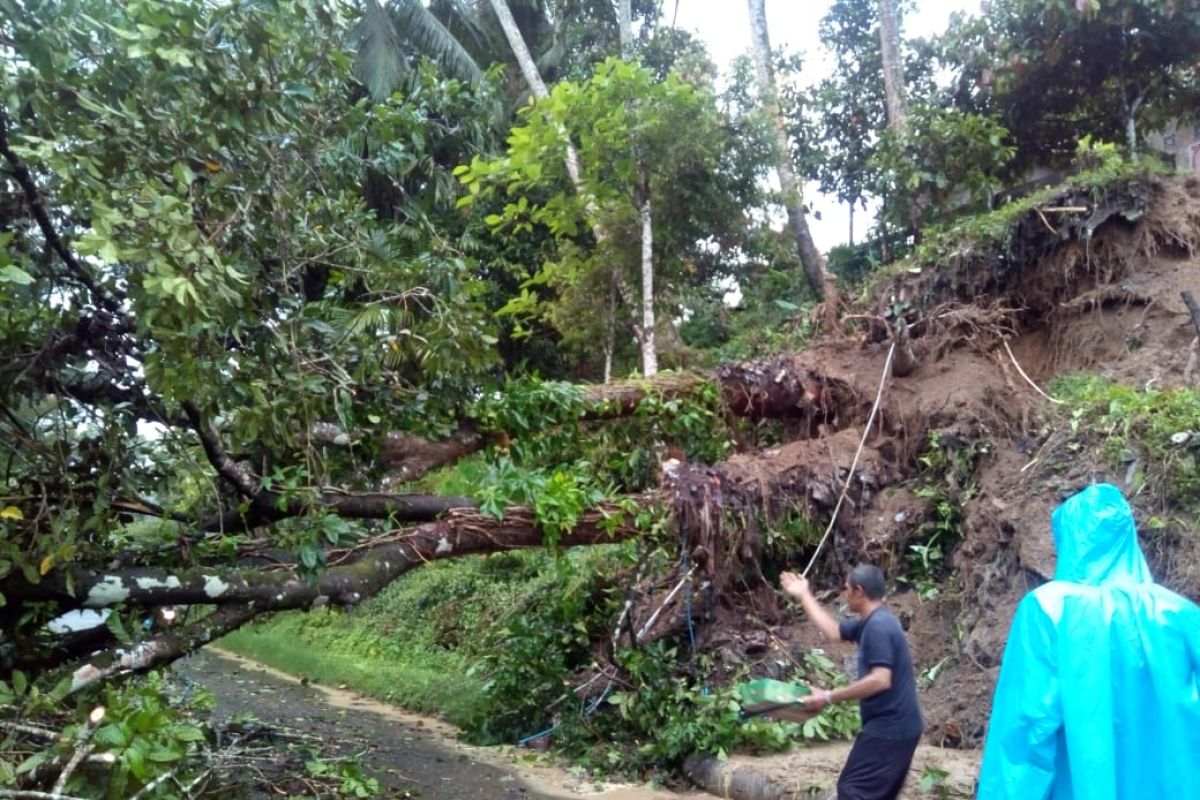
(1108, 303)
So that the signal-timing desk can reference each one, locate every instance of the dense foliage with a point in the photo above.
(269, 267)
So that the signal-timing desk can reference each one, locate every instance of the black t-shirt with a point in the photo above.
(894, 713)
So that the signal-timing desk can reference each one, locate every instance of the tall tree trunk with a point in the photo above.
(893, 65)
(610, 331)
(815, 270)
(625, 26)
(538, 87)
(649, 353)
(532, 77)
(1131, 139)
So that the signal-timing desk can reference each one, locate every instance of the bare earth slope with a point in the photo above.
(1095, 290)
(1109, 304)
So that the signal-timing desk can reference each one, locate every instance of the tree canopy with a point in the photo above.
(267, 266)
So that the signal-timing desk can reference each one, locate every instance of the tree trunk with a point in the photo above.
(1131, 122)
(538, 87)
(516, 41)
(649, 354)
(893, 65)
(610, 331)
(771, 389)
(815, 270)
(532, 77)
(625, 26)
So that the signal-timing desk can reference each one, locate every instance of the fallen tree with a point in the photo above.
(213, 400)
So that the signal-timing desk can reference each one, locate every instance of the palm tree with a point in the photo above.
(815, 270)
(464, 37)
(389, 35)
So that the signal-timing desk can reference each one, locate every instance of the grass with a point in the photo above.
(411, 645)
(1138, 424)
(414, 644)
(423, 682)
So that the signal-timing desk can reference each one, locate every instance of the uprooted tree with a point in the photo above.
(238, 349)
(233, 332)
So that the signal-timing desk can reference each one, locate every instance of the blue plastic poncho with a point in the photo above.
(1098, 693)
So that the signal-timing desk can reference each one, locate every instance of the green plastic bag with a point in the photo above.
(775, 699)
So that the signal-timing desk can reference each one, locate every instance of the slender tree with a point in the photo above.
(893, 65)
(625, 27)
(644, 332)
(815, 270)
(646, 214)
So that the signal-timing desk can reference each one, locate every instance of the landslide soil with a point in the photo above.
(1062, 301)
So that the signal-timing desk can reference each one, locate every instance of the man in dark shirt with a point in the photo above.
(886, 686)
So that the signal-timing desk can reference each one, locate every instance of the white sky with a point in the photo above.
(724, 25)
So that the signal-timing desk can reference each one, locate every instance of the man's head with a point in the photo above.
(864, 587)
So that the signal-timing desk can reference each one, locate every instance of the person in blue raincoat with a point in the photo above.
(1099, 690)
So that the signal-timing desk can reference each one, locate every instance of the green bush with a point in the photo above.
(1151, 429)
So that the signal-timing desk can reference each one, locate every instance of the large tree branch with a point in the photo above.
(463, 532)
(33, 197)
(162, 648)
(240, 478)
(244, 595)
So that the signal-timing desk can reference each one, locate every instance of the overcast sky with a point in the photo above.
(724, 25)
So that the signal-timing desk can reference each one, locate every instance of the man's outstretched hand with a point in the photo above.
(795, 585)
(816, 701)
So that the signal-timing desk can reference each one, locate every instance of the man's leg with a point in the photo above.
(903, 756)
(876, 768)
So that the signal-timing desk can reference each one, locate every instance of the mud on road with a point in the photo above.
(411, 756)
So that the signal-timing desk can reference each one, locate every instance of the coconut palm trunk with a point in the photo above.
(815, 270)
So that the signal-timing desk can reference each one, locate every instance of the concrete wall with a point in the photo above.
(1181, 139)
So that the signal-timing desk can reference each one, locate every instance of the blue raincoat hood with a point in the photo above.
(1099, 689)
(1096, 540)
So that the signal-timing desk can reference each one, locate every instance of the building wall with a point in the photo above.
(1182, 140)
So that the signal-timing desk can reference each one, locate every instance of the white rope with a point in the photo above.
(646, 628)
(887, 370)
(1026, 377)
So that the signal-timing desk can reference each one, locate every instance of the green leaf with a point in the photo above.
(297, 89)
(34, 761)
(114, 624)
(14, 274)
(163, 755)
(183, 174)
(188, 733)
(111, 735)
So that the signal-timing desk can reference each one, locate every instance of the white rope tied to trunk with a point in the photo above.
(887, 371)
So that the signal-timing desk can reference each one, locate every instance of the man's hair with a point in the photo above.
(869, 578)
